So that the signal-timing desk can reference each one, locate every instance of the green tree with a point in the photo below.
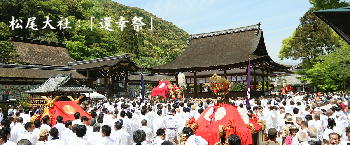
(4, 31)
(311, 39)
(147, 48)
(328, 4)
(332, 72)
(7, 52)
(323, 53)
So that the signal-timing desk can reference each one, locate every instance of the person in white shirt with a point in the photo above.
(127, 124)
(25, 116)
(11, 111)
(36, 130)
(158, 121)
(5, 133)
(109, 118)
(147, 116)
(147, 130)
(170, 123)
(60, 126)
(46, 123)
(346, 140)
(331, 128)
(334, 138)
(77, 119)
(120, 136)
(85, 121)
(192, 139)
(55, 140)
(28, 134)
(95, 135)
(159, 139)
(17, 129)
(78, 139)
(317, 124)
(105, 139)
(67, 132)
(134, 122)
(139, 137)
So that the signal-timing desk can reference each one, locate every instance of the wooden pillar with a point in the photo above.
(87, 74)
(263, 81)
(126, 81)
(225, 73)
(105, 84)
(200, 88)
(88, 79)
(109, 83)
(267, 82)
(195, 85)
(177, 79)
(254, 78)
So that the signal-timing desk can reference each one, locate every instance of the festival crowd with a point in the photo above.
(292, 119)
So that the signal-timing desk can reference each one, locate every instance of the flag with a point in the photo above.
(142, 88)
(248, 84)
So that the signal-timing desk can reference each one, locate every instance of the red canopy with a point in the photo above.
(66, 109)
(223, 114)
(162, 89)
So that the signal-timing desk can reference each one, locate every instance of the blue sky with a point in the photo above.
(279, 18)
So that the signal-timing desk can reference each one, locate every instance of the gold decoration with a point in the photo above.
(252, 128)
(263, 124)
(50, 101)
(220, 87)
(49, 105)
(75, 100)
(69, 109)
(34, 117)
(46, 112)
(192, 124)
(183, 139)
(223, 130)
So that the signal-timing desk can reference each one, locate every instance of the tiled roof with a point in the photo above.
(224, 32)
(102, 62)
(56, 84)
(51, 84)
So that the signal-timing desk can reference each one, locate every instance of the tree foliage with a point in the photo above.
(5, 32)
(7, 52)
(328, 4)
(312, 38)
(332, 72)
(147, 48)
(325, 56)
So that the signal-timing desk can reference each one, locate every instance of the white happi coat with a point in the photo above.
(121, 137)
